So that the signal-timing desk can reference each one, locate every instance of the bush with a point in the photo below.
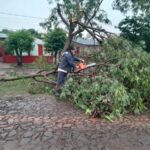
(39, 88)
(121, 86)
(42, 64)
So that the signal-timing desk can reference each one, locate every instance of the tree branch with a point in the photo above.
(59, 13)
(34, 76)
(78, 31)
(94, 29)
(95, 35)
(94, 13)
(92, 33)
(45, 81)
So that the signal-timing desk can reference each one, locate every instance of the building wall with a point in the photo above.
(26, 58)
(33, 52)
(2, 44)
(34, 55)
(83, 49)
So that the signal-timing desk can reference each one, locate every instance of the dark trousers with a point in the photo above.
(61, 77)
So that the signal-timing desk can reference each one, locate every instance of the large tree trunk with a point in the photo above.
(69, 42)
(70, 36)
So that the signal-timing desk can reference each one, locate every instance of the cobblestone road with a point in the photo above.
(43, 123)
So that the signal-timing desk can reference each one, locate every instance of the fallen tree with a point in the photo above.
(117, 85)
(41, 73)
(46, 74)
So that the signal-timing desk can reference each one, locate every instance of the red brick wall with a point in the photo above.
(25, 59)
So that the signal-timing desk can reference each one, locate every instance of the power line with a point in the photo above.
(18, 15)
(12, 29)
(2, 27)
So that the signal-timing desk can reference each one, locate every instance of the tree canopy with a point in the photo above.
(6, 31)
(55, 40)
(136, 29)
(35, 33)
(137, 6)
(18, 42)
(77, 17)
(87, 15)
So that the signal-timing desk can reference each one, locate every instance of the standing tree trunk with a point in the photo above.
(19, 58)
(55, 56)
(70, 36)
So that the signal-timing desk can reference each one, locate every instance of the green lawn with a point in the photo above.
(24, 86)
(40, 65)
(14, 87)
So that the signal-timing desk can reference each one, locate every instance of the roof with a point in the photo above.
(87, 41)
(3, 36)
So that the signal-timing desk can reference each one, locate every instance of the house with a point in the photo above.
(2, 41)
(31, 56)
(37, 50)
(86, 44)
(3, 36)
(83, 46)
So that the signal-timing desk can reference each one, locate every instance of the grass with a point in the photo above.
(38, 66)
(14, 87)
(24, 86)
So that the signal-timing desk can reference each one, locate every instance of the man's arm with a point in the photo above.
(78, 59)
(70, 60)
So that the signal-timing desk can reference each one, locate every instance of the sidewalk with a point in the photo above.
(5, 65)
(4, 68)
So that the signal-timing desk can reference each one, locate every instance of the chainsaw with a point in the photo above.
(82, 65)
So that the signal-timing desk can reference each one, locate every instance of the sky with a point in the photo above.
(38, 11)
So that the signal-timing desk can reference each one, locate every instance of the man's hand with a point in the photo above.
(75, 69)
(82, 60)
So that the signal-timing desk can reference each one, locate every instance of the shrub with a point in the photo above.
(42, 64)
(39, 88)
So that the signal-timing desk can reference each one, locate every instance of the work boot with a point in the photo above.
(57, 92)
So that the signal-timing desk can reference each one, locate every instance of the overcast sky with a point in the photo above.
(10, 9)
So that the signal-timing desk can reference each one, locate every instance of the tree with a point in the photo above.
(55, 41)
(6, 31)
(77, 16)
(18, 42)
(2, 43)
(35, 33)
(137, 6)
(136, 29)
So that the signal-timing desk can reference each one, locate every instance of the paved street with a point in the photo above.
(43, 123)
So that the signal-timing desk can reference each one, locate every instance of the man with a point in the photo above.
(65, 66)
